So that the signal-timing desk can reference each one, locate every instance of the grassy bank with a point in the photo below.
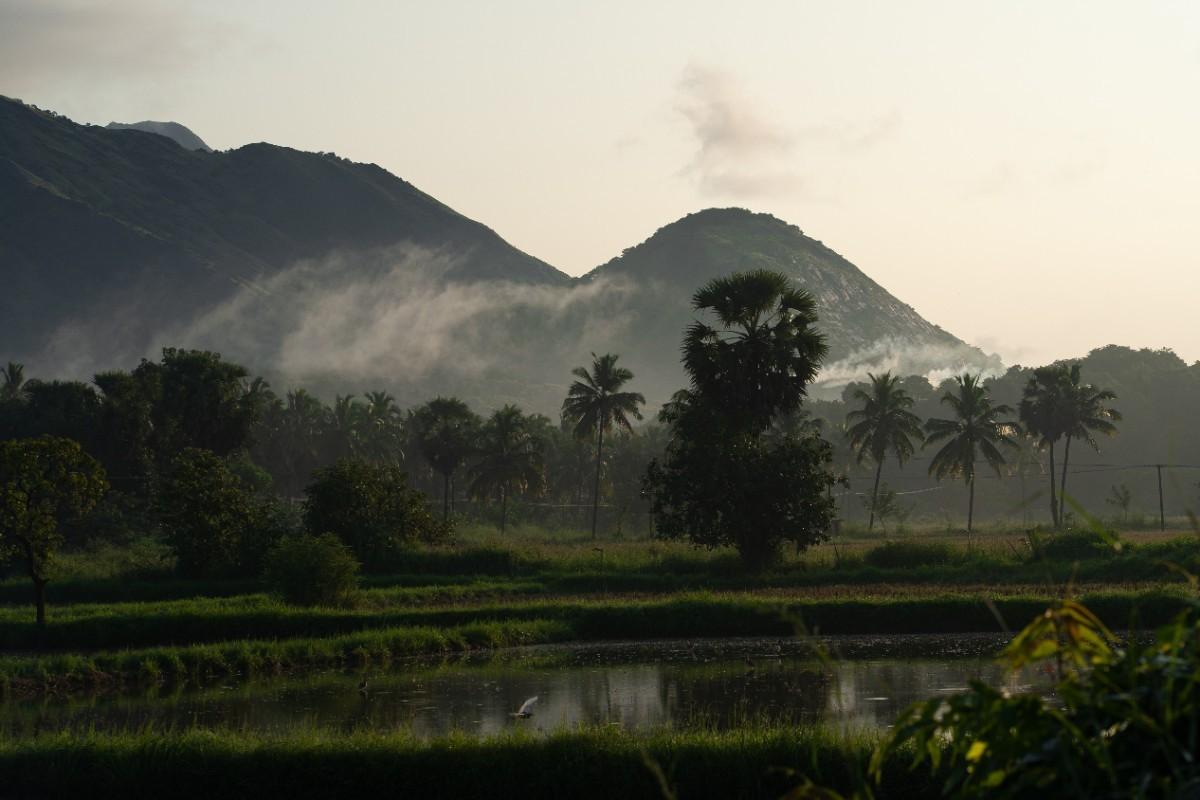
(893, 609)
(433, 631)
(602, 763)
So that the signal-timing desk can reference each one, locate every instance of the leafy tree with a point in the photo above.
(212, 521)
(510, 459)
(596, 403)
(45, 483)
(312, 570)
(1085, 412)
(975, 431)
(723, 479)
(1120, 497)
(371, 508)
(883, 423)
(446, 429)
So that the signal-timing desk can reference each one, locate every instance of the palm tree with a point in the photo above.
(1042, 411)
(510, 459)
(14, 379)
(975, 431)
(756, 363)
(595, 403)
(883, 423)
(1085, 412)
(445, 431)
(380, 428)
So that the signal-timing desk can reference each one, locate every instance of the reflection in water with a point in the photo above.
(716, 683)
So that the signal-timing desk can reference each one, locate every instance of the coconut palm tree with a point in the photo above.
(1042, 411)
(510, 459)
(975, 431)
(595, 403)
(380, 432)
(883, 424)
(1085, 412)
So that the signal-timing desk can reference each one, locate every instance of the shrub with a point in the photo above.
(1077, 545)
(312, 570)
(371, 508)
(900, 555)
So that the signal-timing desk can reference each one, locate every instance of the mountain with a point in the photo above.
(317, 271)
(866, 327)
(109, 236)
(177, 133)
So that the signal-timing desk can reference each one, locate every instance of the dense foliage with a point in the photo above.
(312, 570)
(370, 508)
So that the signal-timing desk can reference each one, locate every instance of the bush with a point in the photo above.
(900, 555)
(371, 508)
(1077, 545)
(311, 570)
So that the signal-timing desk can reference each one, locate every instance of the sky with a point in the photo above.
(1024, 174)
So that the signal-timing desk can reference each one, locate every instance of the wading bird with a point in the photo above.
(525, 712)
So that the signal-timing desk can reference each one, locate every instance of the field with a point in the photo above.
(120, 625)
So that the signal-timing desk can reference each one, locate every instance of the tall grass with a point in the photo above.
(587, 763)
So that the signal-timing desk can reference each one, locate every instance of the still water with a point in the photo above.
(715, 683)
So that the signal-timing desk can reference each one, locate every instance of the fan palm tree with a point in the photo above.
(445, 431)
(1042, 411)
(595, 403)
(756, 363)
(13, 377)
(1086, 412)
(975, 431)
(510, 459)
(883, 423)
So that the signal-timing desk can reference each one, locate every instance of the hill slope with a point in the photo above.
(866, 327)
(114, 234)
(180, 134)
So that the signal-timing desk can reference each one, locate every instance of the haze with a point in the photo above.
(1026, 175)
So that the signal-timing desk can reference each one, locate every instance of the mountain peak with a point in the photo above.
(180, 134)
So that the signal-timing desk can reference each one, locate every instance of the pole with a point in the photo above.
(1162, 520)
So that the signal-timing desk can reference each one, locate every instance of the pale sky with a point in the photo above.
(1025, 174)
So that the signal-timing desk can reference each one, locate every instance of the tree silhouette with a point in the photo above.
(595, 403)
(1085, 413)
(883, 424)
(13, 377)
(446, 429)
(1042, 411)
(975, 431)
(510, 459)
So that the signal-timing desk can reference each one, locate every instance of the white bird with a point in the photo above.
(524, 711)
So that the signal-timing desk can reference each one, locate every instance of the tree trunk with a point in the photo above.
(445, 497)
(875, 496)
(39, 592)
(1062, 494)
(971, 506)
(503, 508)
(596, 487)
(1053, 495)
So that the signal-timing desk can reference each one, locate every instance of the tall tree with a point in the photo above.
(446, 429)
(727, 478)
(975, 431)
(1085, 413)
(1042, 412)
(595, 403)
(44, 484)
(509, 459)
(883, 423)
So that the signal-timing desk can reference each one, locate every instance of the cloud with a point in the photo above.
(739, 152)
(934, 362)
(128, 38)
(392, 313)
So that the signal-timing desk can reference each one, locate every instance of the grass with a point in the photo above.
(752, 762)
(329, 638)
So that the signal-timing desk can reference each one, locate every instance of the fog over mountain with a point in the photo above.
(315, 270)
(177, 133)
